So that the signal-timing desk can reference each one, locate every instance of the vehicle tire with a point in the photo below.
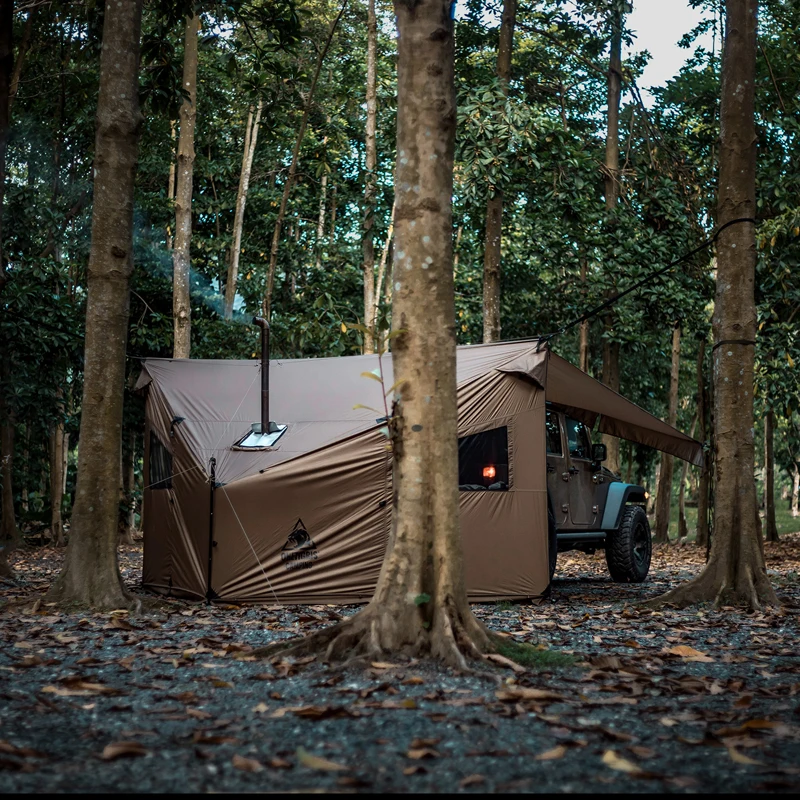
(552, 542)
(628, 549)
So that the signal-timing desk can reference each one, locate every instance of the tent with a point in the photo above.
(306, 518)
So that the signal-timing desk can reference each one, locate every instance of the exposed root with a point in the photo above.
(372, 635)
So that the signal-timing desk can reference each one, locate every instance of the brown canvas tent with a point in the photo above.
(307, 518)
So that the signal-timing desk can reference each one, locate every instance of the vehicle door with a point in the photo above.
(579, 469)
(556, 468)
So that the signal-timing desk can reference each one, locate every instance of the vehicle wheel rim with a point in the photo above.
(640, 542)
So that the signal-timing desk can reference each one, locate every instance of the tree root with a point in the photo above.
(372, 635)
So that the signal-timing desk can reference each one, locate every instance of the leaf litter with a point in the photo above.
(173, 700)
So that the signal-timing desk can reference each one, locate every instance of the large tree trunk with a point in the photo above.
(705, 473)
(664, 488)
(420, 603)
(181, 254)
(494, 204)
(735, 572)
(266, 306)
(90, 576)
(771, 532)
(323, 202)
(171, 184)
(250, 139)
(610, 347)
(370, 182)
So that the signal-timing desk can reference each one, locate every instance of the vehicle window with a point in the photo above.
(553, 430)
(160, 467)
(483, 460)
(577, 439)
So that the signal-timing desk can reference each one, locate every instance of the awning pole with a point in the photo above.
(210, 593)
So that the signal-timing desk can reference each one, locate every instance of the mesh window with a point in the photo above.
(578, 441)
(160, 466)
(483, 460)
(553, 431)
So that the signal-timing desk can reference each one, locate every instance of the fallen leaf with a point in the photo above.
(417, 743)
(279, 763)
(414, 680)
(123, 749)
(741, 758)
(524, 693)
(689, 653)
(641, 752)
(552, 754)
(384, 665)
(246, 764)
(315, 762)
(413, 770)
(611, 759)
(260, 708)
(471, 780)
(422, 752)
(606, 662)
(667, 722)
(505, 662)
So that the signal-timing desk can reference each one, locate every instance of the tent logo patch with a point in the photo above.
(299, 552)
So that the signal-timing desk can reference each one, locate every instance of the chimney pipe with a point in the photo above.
(266, 425)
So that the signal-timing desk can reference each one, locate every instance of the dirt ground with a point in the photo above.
(172, 701)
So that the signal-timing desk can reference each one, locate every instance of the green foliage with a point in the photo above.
(531, 656)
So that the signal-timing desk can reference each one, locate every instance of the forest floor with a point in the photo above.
(171, 701)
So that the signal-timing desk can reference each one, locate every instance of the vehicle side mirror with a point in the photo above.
(599, 452)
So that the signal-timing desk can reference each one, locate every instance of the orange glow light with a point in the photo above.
(489, 472)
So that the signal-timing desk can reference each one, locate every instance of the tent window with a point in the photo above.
(579, 444)
(553, 430)
(483, 461)
(160, 476)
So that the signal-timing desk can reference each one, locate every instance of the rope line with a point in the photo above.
(258, 560)
(655, 274)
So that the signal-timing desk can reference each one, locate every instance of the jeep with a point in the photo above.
(588, 507)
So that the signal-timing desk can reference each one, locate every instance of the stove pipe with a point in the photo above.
(266, 425)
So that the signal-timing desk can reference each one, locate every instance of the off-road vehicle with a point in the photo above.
(588, 507)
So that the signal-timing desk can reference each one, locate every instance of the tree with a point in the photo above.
(250, 139)
(90, 575)
(771, 533)
(735, 572)
(420, 602)
(370, 187)
(611, 348)
(494, 203)
(181, 254)
(664, 489)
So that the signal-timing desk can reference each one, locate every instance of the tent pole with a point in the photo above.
(210, 593)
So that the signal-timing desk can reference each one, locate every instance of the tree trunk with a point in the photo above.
(266, 306)
(90, 576)
(420, 603)
(250, 139)
(323, 200)
(494, 204)
(583, 347)
(22, 52)
(26, 460)
(769, 478)
(611, 348)
(735, 572)
(181, 255)
(611, 379)
(127, 472)
(382, 272)
(683, 528)
(664, 488)
(705, 473)
(6, 73)
(171, 185)
(9, 535)
(796, 491)
(370, 181)
(57, 481)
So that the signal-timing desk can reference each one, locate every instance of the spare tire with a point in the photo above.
(552, 542)
(628, 549)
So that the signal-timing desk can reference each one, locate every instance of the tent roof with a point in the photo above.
(219, 399)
